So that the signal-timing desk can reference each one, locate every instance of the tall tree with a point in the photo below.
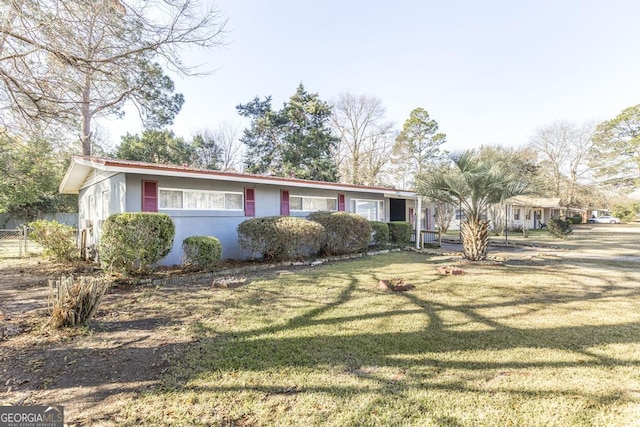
(227, 136)
(474, 183)
(218, 148)
(70, 61)
(616, 149)
(31, 171)
(207, 154)
(366, 138)
(562, 148)
(295, 141)
(155, 146)
(419, 143)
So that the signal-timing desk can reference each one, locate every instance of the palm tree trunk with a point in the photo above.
(475, 239)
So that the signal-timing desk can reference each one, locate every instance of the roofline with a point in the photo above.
(516, 201)
(129, 166)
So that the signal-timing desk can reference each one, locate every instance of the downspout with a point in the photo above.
(418, 220)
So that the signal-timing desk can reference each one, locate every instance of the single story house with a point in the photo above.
(214, 203)
(532, 212)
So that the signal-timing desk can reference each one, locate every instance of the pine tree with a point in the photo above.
(294, 142)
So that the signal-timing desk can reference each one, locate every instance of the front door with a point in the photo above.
(397, 210)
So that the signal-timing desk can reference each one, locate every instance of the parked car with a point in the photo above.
(605, 219)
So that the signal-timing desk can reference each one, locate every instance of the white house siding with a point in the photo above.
(91, 218)
(113, 186)
(223, 224)
(217, 223)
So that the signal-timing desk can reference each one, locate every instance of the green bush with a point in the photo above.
(400, 232)
(202, 252)
(626, 212)
(58, 240)
(132, 242)
(559, 228)
(575, 219)
(281, 237)
(345, 232)
(380, 232)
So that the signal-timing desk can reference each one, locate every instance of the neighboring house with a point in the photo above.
(532, 212)
(214, 203)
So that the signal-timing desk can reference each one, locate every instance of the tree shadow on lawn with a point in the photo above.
(341, 348)
(287, 346)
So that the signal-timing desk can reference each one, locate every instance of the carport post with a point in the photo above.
(418, 220)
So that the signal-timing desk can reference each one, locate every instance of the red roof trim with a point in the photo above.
(207, 172)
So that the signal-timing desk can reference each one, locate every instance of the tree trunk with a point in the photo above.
(475, 239)
(85, 124)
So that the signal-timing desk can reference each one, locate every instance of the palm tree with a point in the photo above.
(475, 182)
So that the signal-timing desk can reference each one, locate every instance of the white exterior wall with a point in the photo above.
(103, 194)
(92, 215)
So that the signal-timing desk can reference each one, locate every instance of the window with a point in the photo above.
(373, 210)
(200, 199)
(426, 214)
(527, 214)
(105, 204)
(91, 207)
(516, 214)
(459, 216)
(310, 203)
(424, 218)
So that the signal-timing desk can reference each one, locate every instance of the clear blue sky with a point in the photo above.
(489, 72)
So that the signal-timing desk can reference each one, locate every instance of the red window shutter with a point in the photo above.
(284, 203)
(249, 202)
(412, 219)
(427, 220)
(341, 206)
(149, 196)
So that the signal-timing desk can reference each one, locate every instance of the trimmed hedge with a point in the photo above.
(400, 232)
(58, 240)
(346, 232)
(202, 252)
(281, 238)
(132, 242)
(575, 219)
(559, 228)
(380, 232)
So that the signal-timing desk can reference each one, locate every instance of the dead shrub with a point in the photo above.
(72, 302)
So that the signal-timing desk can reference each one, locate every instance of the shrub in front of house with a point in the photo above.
(281, 238)
(575, 219)
(202, 252)
(380, 233)
(400, 232)
(345, 232)
(132, 242)
(58, 240)
(559, 227)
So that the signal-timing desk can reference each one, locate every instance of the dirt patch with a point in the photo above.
(395, 285)
(131, 342)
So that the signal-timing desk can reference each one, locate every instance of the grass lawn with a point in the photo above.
(534, 342)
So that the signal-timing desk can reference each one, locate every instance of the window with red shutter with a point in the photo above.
(341, 207)
(284, 203)
(149, 196)
(249, 202)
